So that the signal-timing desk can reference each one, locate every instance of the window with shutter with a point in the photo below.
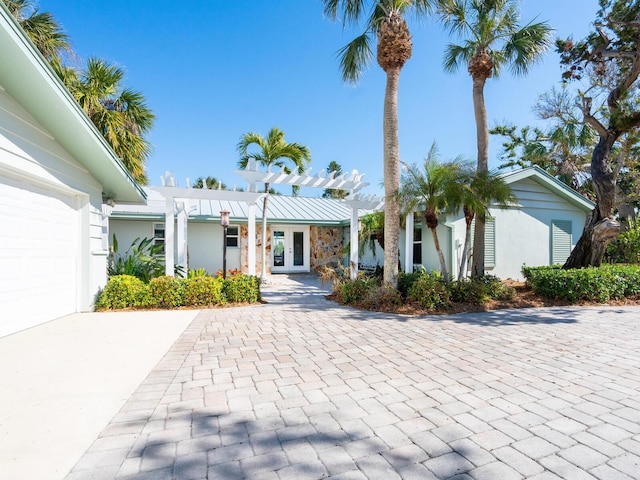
(489, 241)
(560, 240)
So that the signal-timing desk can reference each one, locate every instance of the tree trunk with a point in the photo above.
(443, 264)
(600, 227)
(263, 274)
(482, 138)
(465, 250)
(391, 178)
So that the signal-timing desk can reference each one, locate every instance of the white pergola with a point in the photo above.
(177, 201)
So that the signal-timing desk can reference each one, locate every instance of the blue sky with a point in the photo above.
(218, 69)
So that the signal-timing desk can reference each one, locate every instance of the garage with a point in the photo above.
(39, 255)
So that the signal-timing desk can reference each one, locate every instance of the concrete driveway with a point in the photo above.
(301, 388)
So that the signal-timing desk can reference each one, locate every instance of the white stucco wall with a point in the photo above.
(30, 156)
(204, 240)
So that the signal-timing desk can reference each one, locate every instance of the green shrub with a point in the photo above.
(480, 290)
(405, 280)
(167, 292)
(354, 291)
(430, 292)
(143, 260)
(124, 291)
(381, 296)
(242, 288)
(625, 248)
(592, 284)
(198, 272)
(204, 291)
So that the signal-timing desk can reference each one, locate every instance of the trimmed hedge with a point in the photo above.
(599, 284)
(126, 291)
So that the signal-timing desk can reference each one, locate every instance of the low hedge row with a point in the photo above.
(428, 290)
(599, 284)
(126, 291)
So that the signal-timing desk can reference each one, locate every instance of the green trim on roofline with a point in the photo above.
(34, 85)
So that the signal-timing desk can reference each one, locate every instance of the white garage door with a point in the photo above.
(38, 254)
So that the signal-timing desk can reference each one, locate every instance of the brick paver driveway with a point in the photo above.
(301, 388)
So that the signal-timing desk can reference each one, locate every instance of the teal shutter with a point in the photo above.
(489, 241)
(561, 240)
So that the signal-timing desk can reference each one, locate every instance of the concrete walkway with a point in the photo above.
(301, 388)
(62, 382)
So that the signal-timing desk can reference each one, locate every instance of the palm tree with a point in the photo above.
(480, 190)
(384, 20)
(41, 27)
(492, 39)
(121, 115)
(273, 150)
(211, 183)
(436, 188)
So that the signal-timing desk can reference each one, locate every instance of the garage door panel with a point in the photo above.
(38, 271)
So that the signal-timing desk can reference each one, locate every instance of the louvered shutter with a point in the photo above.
(489, 241)
(560, 240)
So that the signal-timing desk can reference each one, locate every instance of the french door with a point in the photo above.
(289, 249)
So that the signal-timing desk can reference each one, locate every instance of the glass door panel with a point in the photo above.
(278, 249)
(298, 249)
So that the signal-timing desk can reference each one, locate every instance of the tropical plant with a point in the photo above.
(372, 230)
(492, 39)
(120, 114)
(271, 151)
(212, 183)
(336, 169)
(608, 63)
(479, 191)
(41, 27)
(435, 187)
(143, 260)
(385, 21)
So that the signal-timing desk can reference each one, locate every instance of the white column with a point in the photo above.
(251, 240)
(168, 237)
(353, 253)
(182, 234)
(408, 243)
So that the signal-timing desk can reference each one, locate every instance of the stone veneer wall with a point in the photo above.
(326, 246)
(244, 249)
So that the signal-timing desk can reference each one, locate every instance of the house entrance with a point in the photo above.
(290, 249)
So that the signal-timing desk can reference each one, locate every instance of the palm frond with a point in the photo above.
(354, 57)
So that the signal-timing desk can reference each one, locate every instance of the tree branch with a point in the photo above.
(590, 119)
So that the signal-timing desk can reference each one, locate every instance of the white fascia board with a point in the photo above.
(29, 79)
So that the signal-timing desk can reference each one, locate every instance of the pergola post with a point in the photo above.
(182, 234)
(408, 243)
(168, 236)
(353, 250)
(251, 239)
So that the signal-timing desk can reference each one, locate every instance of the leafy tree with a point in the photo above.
(435, 187)
(562, 149)
(41, 27)
(384, 20)
(211, 183)
(480, 190)
(492, 39)
(608, 63)
(272, 150)
(335, 192)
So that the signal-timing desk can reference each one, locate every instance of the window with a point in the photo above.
(158, 235)
(233, 235)
(560, 241)
(417, 243)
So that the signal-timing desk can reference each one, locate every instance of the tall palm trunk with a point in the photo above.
(482, 135)
(391, 178)
(263, 274)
